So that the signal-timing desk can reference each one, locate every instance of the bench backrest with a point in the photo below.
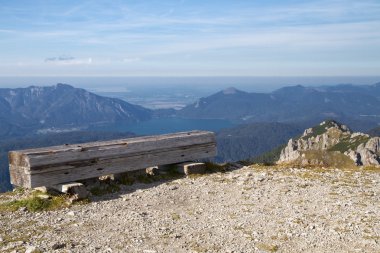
(67, 163)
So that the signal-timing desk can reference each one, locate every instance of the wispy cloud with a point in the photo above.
(59, 58)
(68, 60)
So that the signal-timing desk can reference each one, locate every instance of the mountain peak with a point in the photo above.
(63, 85)
(230, 91)
(332, 123)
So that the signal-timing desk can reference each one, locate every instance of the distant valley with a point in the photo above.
(62, 108)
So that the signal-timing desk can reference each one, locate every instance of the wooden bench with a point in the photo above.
(68, 163)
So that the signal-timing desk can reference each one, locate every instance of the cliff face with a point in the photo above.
(329, 142)
(366, 153)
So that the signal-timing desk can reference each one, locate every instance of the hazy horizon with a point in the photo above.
(121, 84)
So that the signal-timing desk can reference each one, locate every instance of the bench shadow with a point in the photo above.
(110, 188)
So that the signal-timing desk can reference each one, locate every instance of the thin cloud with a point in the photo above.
(59, 58)
(68, 60)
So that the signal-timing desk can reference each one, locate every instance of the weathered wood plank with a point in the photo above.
(60, 164)
(59, 154)
(112, 166)
(19, 176)
(203, 151)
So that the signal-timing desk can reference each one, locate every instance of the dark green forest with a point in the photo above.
(251, 140)
(374, 132)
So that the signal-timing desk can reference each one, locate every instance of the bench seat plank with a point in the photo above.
(60, 164)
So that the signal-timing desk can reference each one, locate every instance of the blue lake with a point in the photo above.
(167, 125)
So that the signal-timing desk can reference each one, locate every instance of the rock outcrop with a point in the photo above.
(330, 140)
(366, 153)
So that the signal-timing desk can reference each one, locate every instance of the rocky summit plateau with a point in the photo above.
(332, 144)
(245, 209)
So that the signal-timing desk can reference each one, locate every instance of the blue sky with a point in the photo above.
(190, 38)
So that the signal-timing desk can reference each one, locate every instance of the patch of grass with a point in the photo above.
(372, 168)
(211, 168)
(97, 191)
(82, 202)
(269, 158)
(331, 159)
(36, 251)
(214, 168)
(347, 143)
(19, 190)
(132, 177)
(283, 238)
(26, 231)
(168, 173)
(247, 188)
(195, 176)
(321, 129)
(168, 176)
(176, 216)
(10, 194)
(341, 230)
(309, 175)
(145, 179)
(105, 189)
(232, 216)
(15, 238)
(196, 247)
(267, 247)
(371, 237)
(126, 180)
(246, 162)
(238, 228)
(171, 169)
(317, 130)
(34, 203)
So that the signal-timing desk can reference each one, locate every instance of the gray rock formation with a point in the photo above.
(290, 152)
(366, 153)
(331, 136)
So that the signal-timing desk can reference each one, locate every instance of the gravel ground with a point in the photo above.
(252, 209)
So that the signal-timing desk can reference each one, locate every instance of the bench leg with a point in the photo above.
(186, 168)
(190, 168)
(77, 189)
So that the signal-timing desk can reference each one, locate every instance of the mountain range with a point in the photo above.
(358, 106)
(265, 120)
(23, 110)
